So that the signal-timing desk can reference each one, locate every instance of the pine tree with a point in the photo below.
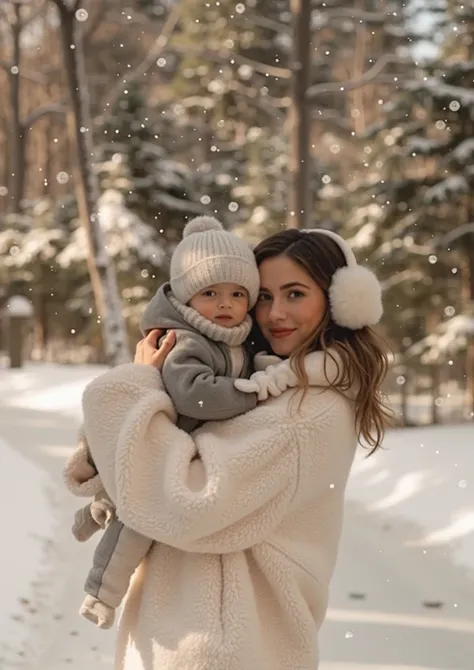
(132, 161)
(30, 245)
(419, 202)
(146, 198)
(231, 64)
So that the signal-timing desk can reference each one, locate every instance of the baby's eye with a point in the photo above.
(209, 294)
(239, 294)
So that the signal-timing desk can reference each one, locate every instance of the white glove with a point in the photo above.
(271, 382)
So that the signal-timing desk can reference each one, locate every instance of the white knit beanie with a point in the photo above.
(209, 255)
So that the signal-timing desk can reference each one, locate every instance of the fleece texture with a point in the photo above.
(246, 514)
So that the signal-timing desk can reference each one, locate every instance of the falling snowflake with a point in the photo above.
(82, 15)
(62, 177)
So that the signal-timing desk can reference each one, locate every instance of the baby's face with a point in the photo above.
(224, 304)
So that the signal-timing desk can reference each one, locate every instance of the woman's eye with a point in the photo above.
(295, 294)
(262, 297)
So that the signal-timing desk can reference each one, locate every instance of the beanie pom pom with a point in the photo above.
(201, 224)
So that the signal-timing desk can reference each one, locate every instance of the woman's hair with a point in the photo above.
(362, 352)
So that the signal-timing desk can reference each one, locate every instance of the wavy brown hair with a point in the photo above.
(363, 354)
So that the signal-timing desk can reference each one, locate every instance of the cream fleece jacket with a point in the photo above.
(246, 534)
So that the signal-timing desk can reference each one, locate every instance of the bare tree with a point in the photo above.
(19, 15)
(101, 270)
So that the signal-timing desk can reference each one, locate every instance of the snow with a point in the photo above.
(365, 236)
(19, 306)
(21, 248)
(465, 96)
(48, 387)
(401, 484)
(28, 518)
(424, 477)
(125, 233)
(449, 338)
(422, 145)
(452, 185)
(464, 151)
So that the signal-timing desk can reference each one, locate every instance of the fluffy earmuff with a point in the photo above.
(355, 294)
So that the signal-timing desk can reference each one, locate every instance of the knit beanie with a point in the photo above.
(209, 255)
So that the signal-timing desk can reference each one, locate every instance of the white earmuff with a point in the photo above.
(355, 294)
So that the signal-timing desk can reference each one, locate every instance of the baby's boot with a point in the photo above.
(98, 612)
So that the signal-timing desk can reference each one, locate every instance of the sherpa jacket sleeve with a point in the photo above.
(196, 391)
(228, 499)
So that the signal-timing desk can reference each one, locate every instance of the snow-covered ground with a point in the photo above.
(424, 476)
(39, 415)
(28, 522)
(421, 483)
(47, 387)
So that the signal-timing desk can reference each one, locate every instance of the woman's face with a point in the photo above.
(290, 306)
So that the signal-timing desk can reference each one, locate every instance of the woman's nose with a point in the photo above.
(277, 312)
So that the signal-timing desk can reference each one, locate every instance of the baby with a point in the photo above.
(214, 282)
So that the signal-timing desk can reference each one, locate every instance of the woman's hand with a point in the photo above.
(147, 353)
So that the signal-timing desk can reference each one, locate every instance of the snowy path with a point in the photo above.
(49, 634)
(378, 617)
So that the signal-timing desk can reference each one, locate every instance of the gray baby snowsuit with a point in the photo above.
(199, 375)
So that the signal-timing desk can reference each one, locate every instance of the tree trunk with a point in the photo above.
(468, 291)
(41, 316)
(17, 144)
(358, 95)
(48, 182)
(404, 400)
(435, 393)
(4, 162)
(299, 206)
(101, 270)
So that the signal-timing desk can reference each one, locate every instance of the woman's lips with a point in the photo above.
(280, 333)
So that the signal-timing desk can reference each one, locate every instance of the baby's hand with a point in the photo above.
(271, 382)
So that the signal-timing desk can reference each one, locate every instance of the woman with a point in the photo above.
(246, 513)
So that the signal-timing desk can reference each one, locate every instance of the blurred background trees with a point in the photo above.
(357, 116)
